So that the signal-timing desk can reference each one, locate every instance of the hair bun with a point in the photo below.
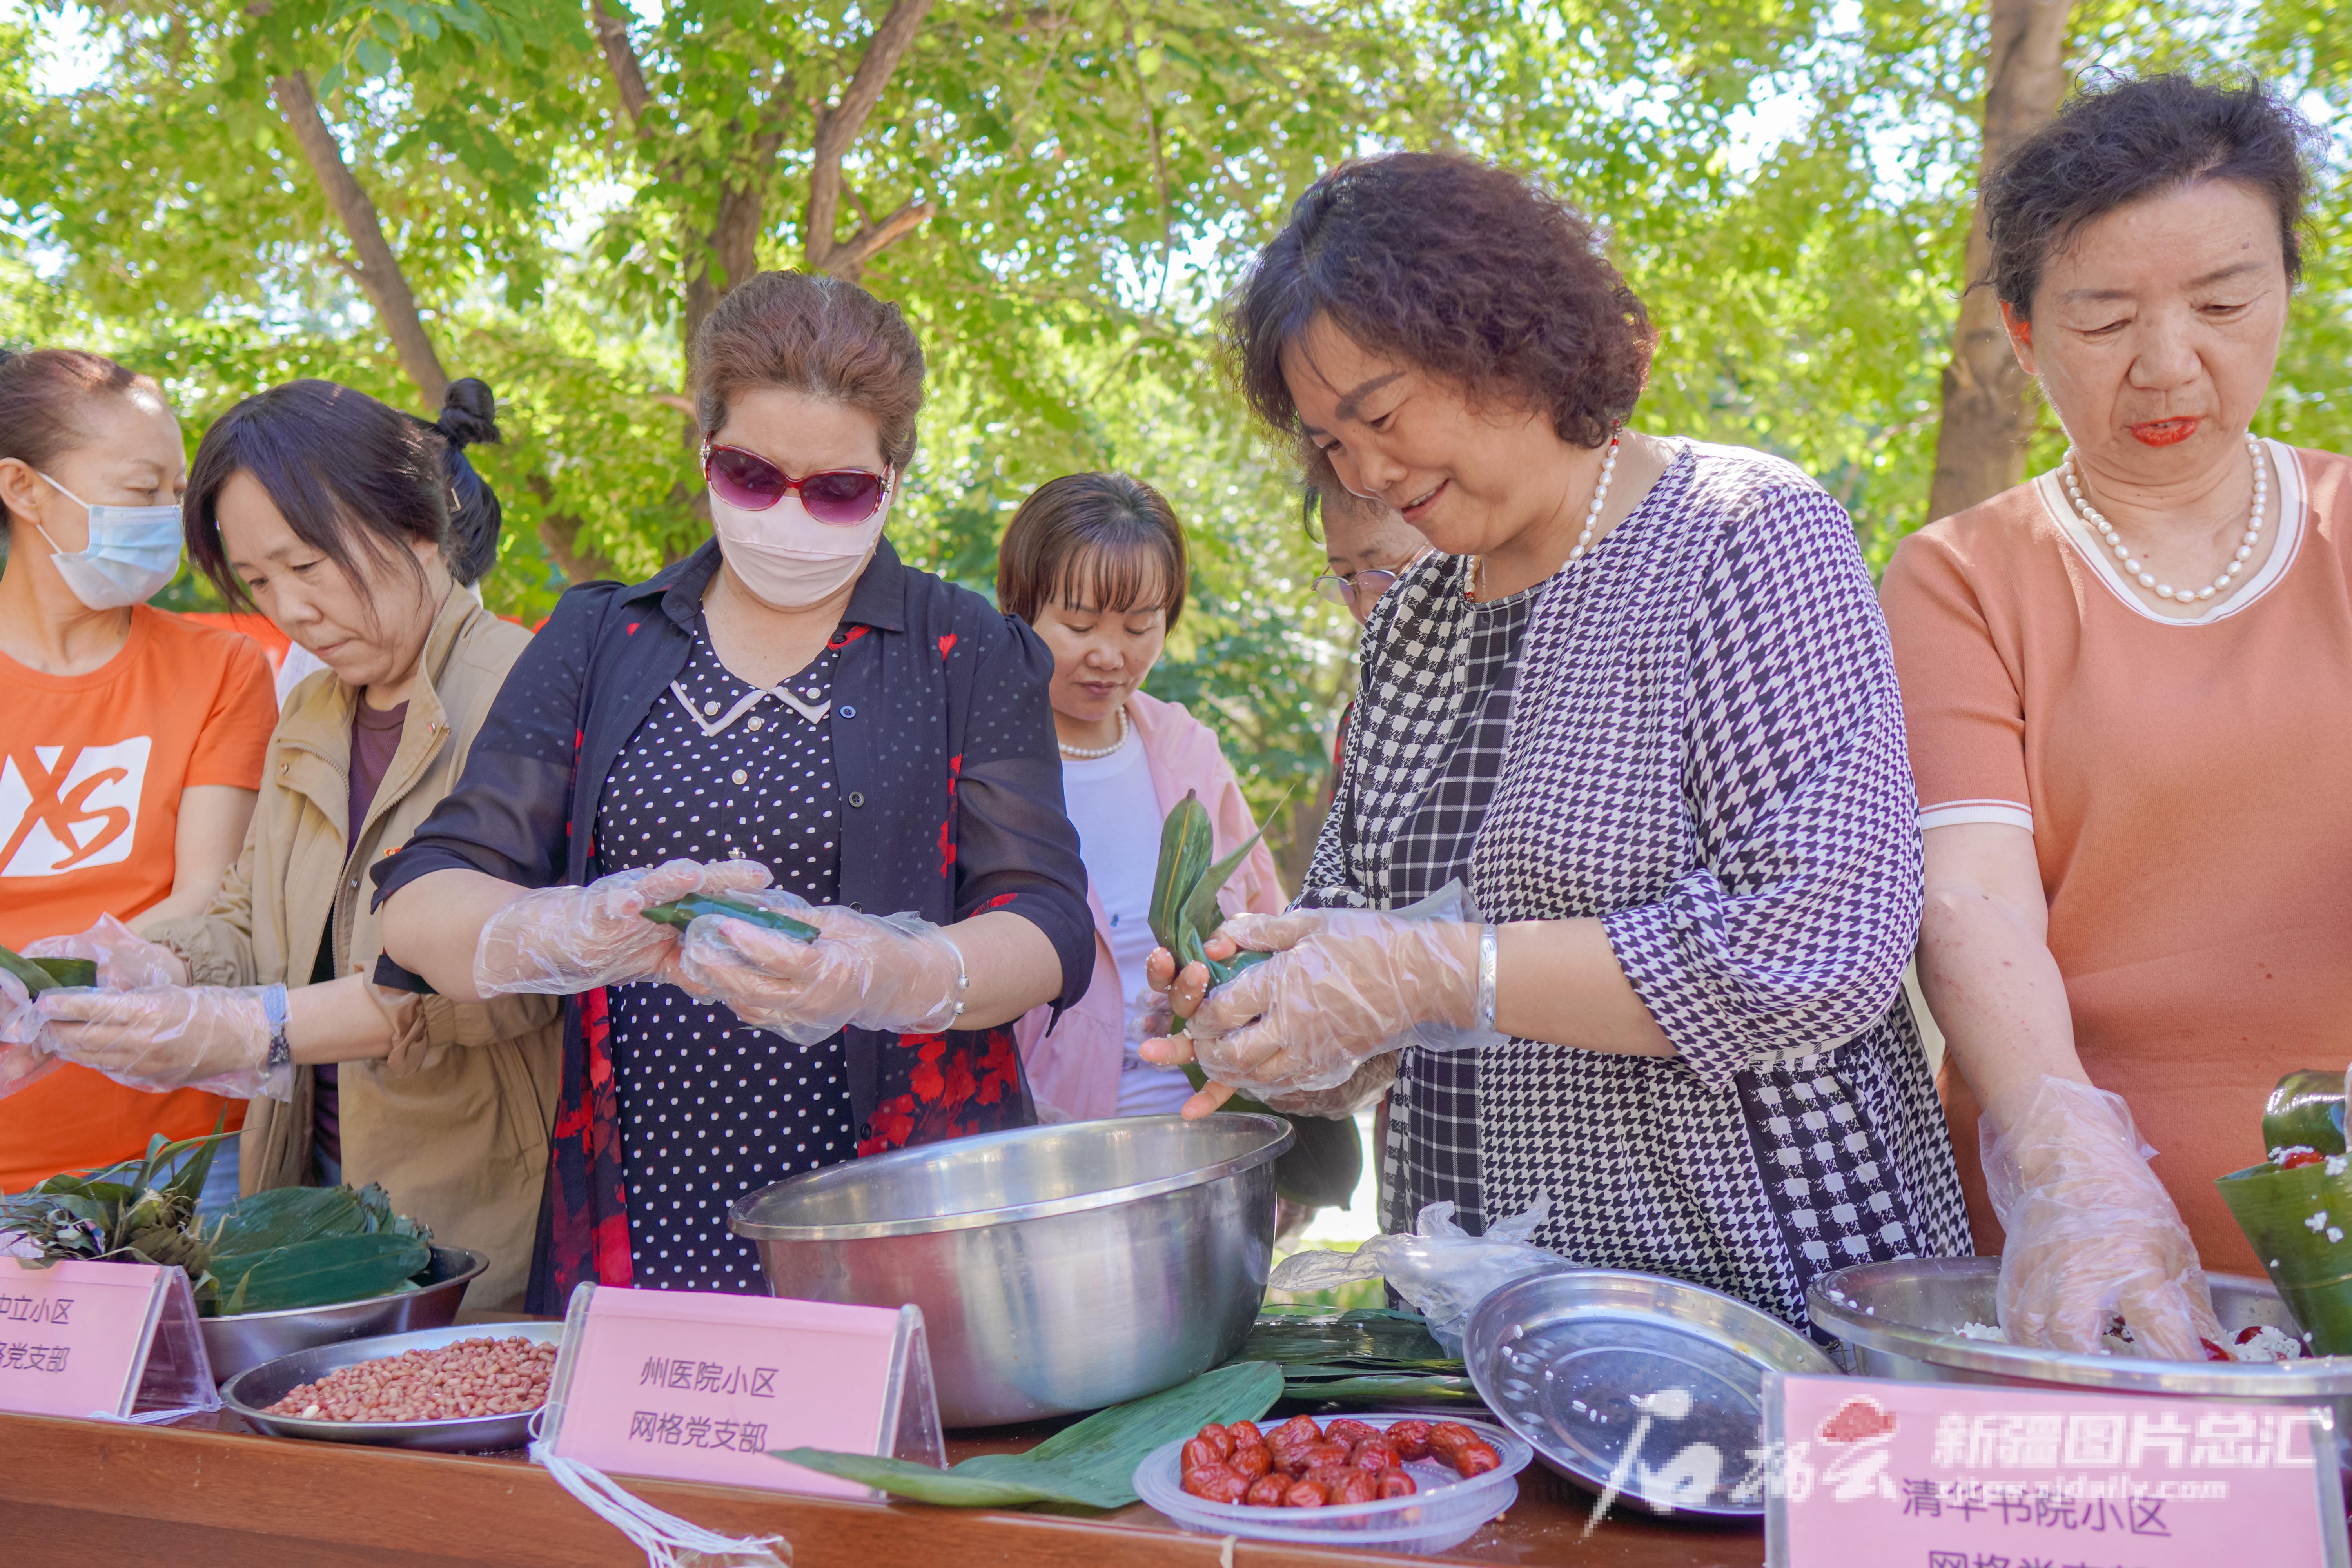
(468, 411)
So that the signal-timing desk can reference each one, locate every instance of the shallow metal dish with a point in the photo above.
(1560, 1357)
(1895, 1320)
(1059, 1268)
(249, 1339)
(250, 1392)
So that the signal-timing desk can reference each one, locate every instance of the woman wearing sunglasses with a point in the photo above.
(787, 715)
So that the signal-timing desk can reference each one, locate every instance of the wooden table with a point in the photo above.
(210, 1493)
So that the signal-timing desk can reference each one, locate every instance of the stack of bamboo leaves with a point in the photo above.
(1372, 1356)
(276, 1250)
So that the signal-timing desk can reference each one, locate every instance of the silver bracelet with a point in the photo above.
(1487, 945)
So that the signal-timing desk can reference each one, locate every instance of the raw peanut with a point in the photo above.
(470, 1379)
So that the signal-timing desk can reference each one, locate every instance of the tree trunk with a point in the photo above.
(730, 254)
(378, 270)
(1980, 439)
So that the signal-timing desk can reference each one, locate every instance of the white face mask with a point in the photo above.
(788, 559)
(133, 552)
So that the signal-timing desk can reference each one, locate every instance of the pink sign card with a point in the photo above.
(74, 1336)
(694, 1386)
(1942, 1475)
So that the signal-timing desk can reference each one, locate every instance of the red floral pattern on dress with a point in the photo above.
(947, 825)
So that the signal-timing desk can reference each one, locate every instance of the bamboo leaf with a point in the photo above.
(1091, 1464)
(314, 1273)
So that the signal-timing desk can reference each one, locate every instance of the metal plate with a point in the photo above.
(251, 1393)
(1579, 1361)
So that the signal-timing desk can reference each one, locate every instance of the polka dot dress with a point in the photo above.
(709, 1107)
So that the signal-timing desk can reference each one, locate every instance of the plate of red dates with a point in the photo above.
(1404, 1482)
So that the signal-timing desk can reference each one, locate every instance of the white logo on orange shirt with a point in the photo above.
(68, 808)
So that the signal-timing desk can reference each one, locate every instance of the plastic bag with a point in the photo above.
(1441, 1269)
(125, 962)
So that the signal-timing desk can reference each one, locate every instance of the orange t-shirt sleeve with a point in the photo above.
(236, 735)
(1962, 714)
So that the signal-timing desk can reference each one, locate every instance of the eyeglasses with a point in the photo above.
(1369, 584)
(843, 497)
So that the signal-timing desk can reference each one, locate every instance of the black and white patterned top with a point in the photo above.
(1704, 749)
(1437, 1094)
(709, 1107)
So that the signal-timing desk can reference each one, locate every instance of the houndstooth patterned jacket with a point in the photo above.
(1699, 741)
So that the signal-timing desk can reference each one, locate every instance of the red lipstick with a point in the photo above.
(2164, 432)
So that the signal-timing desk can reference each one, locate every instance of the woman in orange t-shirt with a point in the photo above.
(131, 743)
(2127, 685)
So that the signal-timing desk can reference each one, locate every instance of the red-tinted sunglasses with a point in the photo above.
(843, 497)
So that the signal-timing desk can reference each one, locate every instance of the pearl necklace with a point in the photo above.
(1592, 513)
(1095, 754)
(2246, 543)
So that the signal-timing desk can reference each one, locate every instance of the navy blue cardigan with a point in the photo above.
(943, 743)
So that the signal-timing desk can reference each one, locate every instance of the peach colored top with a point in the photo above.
(2188, 786)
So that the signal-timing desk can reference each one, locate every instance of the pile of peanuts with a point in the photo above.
(459, 1382)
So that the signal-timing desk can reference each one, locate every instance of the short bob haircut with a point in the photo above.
(349, 475)
(813, 334)
(1459, 268)
(1102, 541)
(2114, 145)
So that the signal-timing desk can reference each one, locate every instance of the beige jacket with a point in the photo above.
(461, 1144)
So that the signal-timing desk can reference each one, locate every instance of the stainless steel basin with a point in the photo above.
(1059, 1268)
(1897, 1320)
(249, 1338)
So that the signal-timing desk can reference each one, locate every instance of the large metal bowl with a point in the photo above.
(1897, 1319)
(249, 1339)
(251, 1393)
(1059, 1268)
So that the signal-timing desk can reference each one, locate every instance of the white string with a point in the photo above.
(667, 1541)
(151, 1417)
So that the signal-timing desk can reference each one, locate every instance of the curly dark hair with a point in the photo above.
(1460, 267)
(2112, 145)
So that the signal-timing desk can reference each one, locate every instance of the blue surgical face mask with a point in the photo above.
(133, 551)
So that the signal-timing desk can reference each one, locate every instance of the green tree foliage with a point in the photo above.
(1057, 194)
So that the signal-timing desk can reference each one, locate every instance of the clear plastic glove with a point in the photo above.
(1343, 985)
(899, 974)
(1441, 1269)
(25, 1055)
(213, 1038)
(126, 961)
(2093, 1236)
(561, 940)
